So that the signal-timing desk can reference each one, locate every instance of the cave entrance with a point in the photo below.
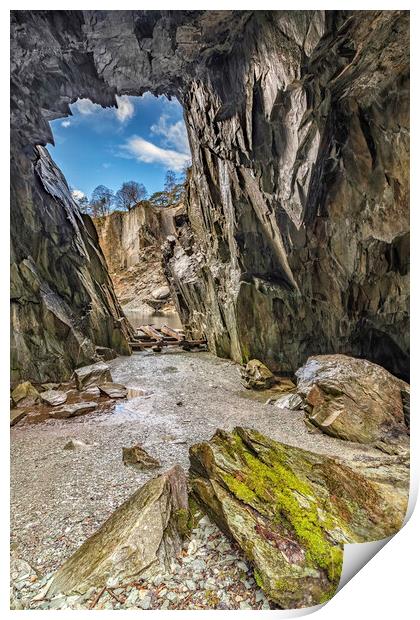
(126, 168)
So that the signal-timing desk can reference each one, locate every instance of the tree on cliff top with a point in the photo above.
(101, 201)
(170, 181)
(173, 192)
(130, 194)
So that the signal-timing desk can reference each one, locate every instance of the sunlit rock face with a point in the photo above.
(296, 240)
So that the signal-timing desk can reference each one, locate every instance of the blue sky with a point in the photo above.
(137, 141)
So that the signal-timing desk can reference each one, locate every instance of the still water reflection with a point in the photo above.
(138, 318)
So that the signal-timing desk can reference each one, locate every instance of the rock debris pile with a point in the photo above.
(72, 399)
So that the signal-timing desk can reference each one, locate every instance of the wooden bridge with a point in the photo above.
(155, 338)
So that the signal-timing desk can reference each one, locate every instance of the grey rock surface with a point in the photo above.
(353, 399)
(296, 236)
(53, 397)
(113, 390)
(73, 410)
(289, 401)
(141, 535)
(92, 375)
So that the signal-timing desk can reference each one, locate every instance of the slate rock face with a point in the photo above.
(291, 511)
(353, 399)
(130, 241)
(63, 303)
(296, 236)
(144, 534)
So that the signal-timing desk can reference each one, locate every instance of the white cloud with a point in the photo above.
(122, 113)
(77, 194)
(86, 107)
(175, 134)
(149, 153)
(66, 124)
(106, 165)
(125, 109)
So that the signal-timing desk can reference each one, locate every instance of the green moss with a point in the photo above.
(258, 579)
(276, 485)
(194, 513)
(212, 599)
(246, 354)
(239, 489)
(182, 518)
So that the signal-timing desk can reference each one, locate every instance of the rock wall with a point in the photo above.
(62, 299)
(298, 200)
(296, 240)
(124, 234)
(131, 242)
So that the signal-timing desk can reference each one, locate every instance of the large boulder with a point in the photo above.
(94, 374)
(141, 537)
(353, 399)
(161, 293)
(291, 511)
(256, 376)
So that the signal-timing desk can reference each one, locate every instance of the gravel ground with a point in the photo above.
(60, 497)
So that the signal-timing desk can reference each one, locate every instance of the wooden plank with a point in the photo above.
(152, 332)
(142, 336)
(165, 329)
(148, 345)
(156, 345)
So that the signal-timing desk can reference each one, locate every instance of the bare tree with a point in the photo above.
(101, 201)
(170, 181)
(130, 194)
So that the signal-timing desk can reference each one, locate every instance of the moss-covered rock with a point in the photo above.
(290, 510)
